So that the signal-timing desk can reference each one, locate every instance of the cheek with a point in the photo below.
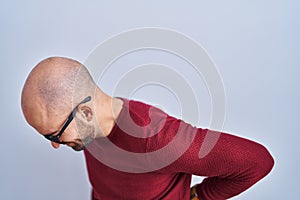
(71, 132)
(84, 130)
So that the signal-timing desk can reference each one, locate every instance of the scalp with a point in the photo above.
(50, 89)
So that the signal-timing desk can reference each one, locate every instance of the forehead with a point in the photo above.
(45, 121)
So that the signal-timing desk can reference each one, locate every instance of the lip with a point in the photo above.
(70, 144)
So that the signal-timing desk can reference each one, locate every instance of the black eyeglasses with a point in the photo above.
(55, 138)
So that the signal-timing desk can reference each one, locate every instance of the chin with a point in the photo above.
(78, 148)
(82, 144)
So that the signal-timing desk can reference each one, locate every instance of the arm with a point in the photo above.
(233, 165)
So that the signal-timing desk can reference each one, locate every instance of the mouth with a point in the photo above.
(71, 144)
(76, 146)
(79, 145)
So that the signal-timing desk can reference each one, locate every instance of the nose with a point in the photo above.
(55, 145)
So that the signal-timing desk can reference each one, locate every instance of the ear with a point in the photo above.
(86, 112)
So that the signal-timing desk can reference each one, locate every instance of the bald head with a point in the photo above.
(53, 87)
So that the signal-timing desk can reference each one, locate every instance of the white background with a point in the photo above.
(255, 45)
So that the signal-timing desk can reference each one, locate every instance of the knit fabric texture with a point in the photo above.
(152, 155)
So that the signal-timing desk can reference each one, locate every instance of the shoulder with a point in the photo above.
(140, 112)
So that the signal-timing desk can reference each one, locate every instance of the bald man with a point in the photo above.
(134, 150)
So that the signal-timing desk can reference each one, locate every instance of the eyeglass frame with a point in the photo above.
(55, 138)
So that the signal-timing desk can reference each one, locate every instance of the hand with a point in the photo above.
(193, 193)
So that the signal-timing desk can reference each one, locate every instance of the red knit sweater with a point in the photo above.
(151, 155)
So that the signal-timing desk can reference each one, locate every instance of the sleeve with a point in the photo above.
(233, 165)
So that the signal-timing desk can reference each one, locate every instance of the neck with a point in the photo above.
(107, 111)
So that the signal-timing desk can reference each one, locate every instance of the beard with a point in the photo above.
(86, 134)
(81, 144)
